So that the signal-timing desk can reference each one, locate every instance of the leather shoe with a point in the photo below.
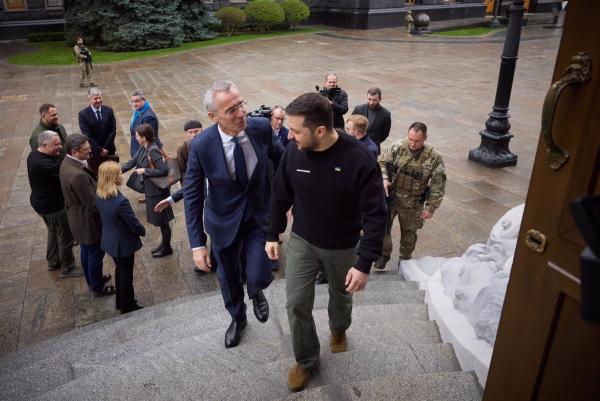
(199, 270)
(162, 252)
(232, 335)
(156, 249)
(261, 307)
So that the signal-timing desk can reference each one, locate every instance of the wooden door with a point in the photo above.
(544, 349)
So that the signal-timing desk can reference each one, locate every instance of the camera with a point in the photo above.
(329, 93)
(262, 111)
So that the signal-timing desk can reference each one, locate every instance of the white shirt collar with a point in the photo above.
(226, 137)
(96, 109)
(84, 163)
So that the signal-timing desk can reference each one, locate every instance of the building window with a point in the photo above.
(56, 4)
(15, 5)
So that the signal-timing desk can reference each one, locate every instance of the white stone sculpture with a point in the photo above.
(476, 282)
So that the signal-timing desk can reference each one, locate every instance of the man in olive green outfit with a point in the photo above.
(84, 58)
(49, 122)
(414, 178)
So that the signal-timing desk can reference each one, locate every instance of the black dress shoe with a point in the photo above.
(158, 248)
(261, 307)
(162, 252)
(232, 335)
(199, 270)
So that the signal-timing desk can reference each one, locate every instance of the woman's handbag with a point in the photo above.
(136, 183)
(172, 176)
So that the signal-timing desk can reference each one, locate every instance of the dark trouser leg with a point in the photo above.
(117, 284)
(65, 241)
(125, 292)
(257, 266)
(165, 232)
(229, 274)
(84, 255)
(302, 265)
(52, 256)
(95, 256)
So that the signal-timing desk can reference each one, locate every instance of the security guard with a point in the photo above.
(84, 58)
(414, 179)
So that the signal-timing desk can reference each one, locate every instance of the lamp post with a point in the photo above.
(493, 150)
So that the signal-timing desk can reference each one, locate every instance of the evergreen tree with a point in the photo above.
(141, 24)
(81, 19)
(196, 21)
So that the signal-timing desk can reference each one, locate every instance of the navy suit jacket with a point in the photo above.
(283, 136)
(147, 117)
(225, 201)
(121, 230)
(100, 133)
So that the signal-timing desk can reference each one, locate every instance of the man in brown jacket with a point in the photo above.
(78, 184)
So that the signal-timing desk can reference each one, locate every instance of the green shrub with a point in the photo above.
(231, 18)
(46, 37)
(295, 11)
(263, 14)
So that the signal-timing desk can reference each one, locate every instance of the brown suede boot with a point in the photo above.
(338, 342)
(381, 262)
(298, 378)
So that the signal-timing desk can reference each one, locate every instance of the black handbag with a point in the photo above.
(136, 183)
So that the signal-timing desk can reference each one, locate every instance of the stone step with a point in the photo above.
(152, 320)
(87, 354)
(261, 366)
(438, 386)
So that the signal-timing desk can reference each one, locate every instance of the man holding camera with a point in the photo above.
(338, 99)
(84, 58)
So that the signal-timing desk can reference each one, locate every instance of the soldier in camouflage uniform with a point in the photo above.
(414, 179)
(84, 58)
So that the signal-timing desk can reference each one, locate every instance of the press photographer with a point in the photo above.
(338, 98)
(84, 58)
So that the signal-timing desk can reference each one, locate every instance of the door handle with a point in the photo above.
(578, 72)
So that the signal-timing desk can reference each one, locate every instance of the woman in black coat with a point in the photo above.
(121, 232)
(149, 150)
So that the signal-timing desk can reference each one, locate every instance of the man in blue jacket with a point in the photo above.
(232, 158)
(142, 114)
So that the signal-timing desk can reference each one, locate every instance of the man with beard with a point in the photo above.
(324, 169)
(380, 120)
(49, 122)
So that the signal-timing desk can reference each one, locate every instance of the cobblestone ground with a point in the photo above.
(447, 83)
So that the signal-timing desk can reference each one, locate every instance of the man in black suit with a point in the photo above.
(380, 119)
(142, 114)
(98, 123)
(277, 119)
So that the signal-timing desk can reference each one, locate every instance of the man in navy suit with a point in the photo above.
(142, 114)
(232, 158)
(277, 119)
(98, 123)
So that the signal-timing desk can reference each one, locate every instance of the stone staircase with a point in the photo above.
(174, 351)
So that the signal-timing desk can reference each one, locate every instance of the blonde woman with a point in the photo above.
(121, 232)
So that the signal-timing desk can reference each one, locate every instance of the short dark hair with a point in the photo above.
(74, 142)
(45, 107)
(417, 126)
(315, 109)
(191, 124)
(374, 91)
(145, 131)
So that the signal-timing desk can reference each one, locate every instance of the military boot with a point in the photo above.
(338, 341)
(298, 378)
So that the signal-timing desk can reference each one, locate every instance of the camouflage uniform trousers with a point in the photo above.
(86, 71)
(410, 221)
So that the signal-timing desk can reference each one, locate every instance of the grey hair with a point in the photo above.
(74, 142)
(94, 91)
(139, 93)
(211, 92)
(44, 137)
(277, 107)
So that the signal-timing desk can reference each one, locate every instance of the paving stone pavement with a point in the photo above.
(449, 85)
